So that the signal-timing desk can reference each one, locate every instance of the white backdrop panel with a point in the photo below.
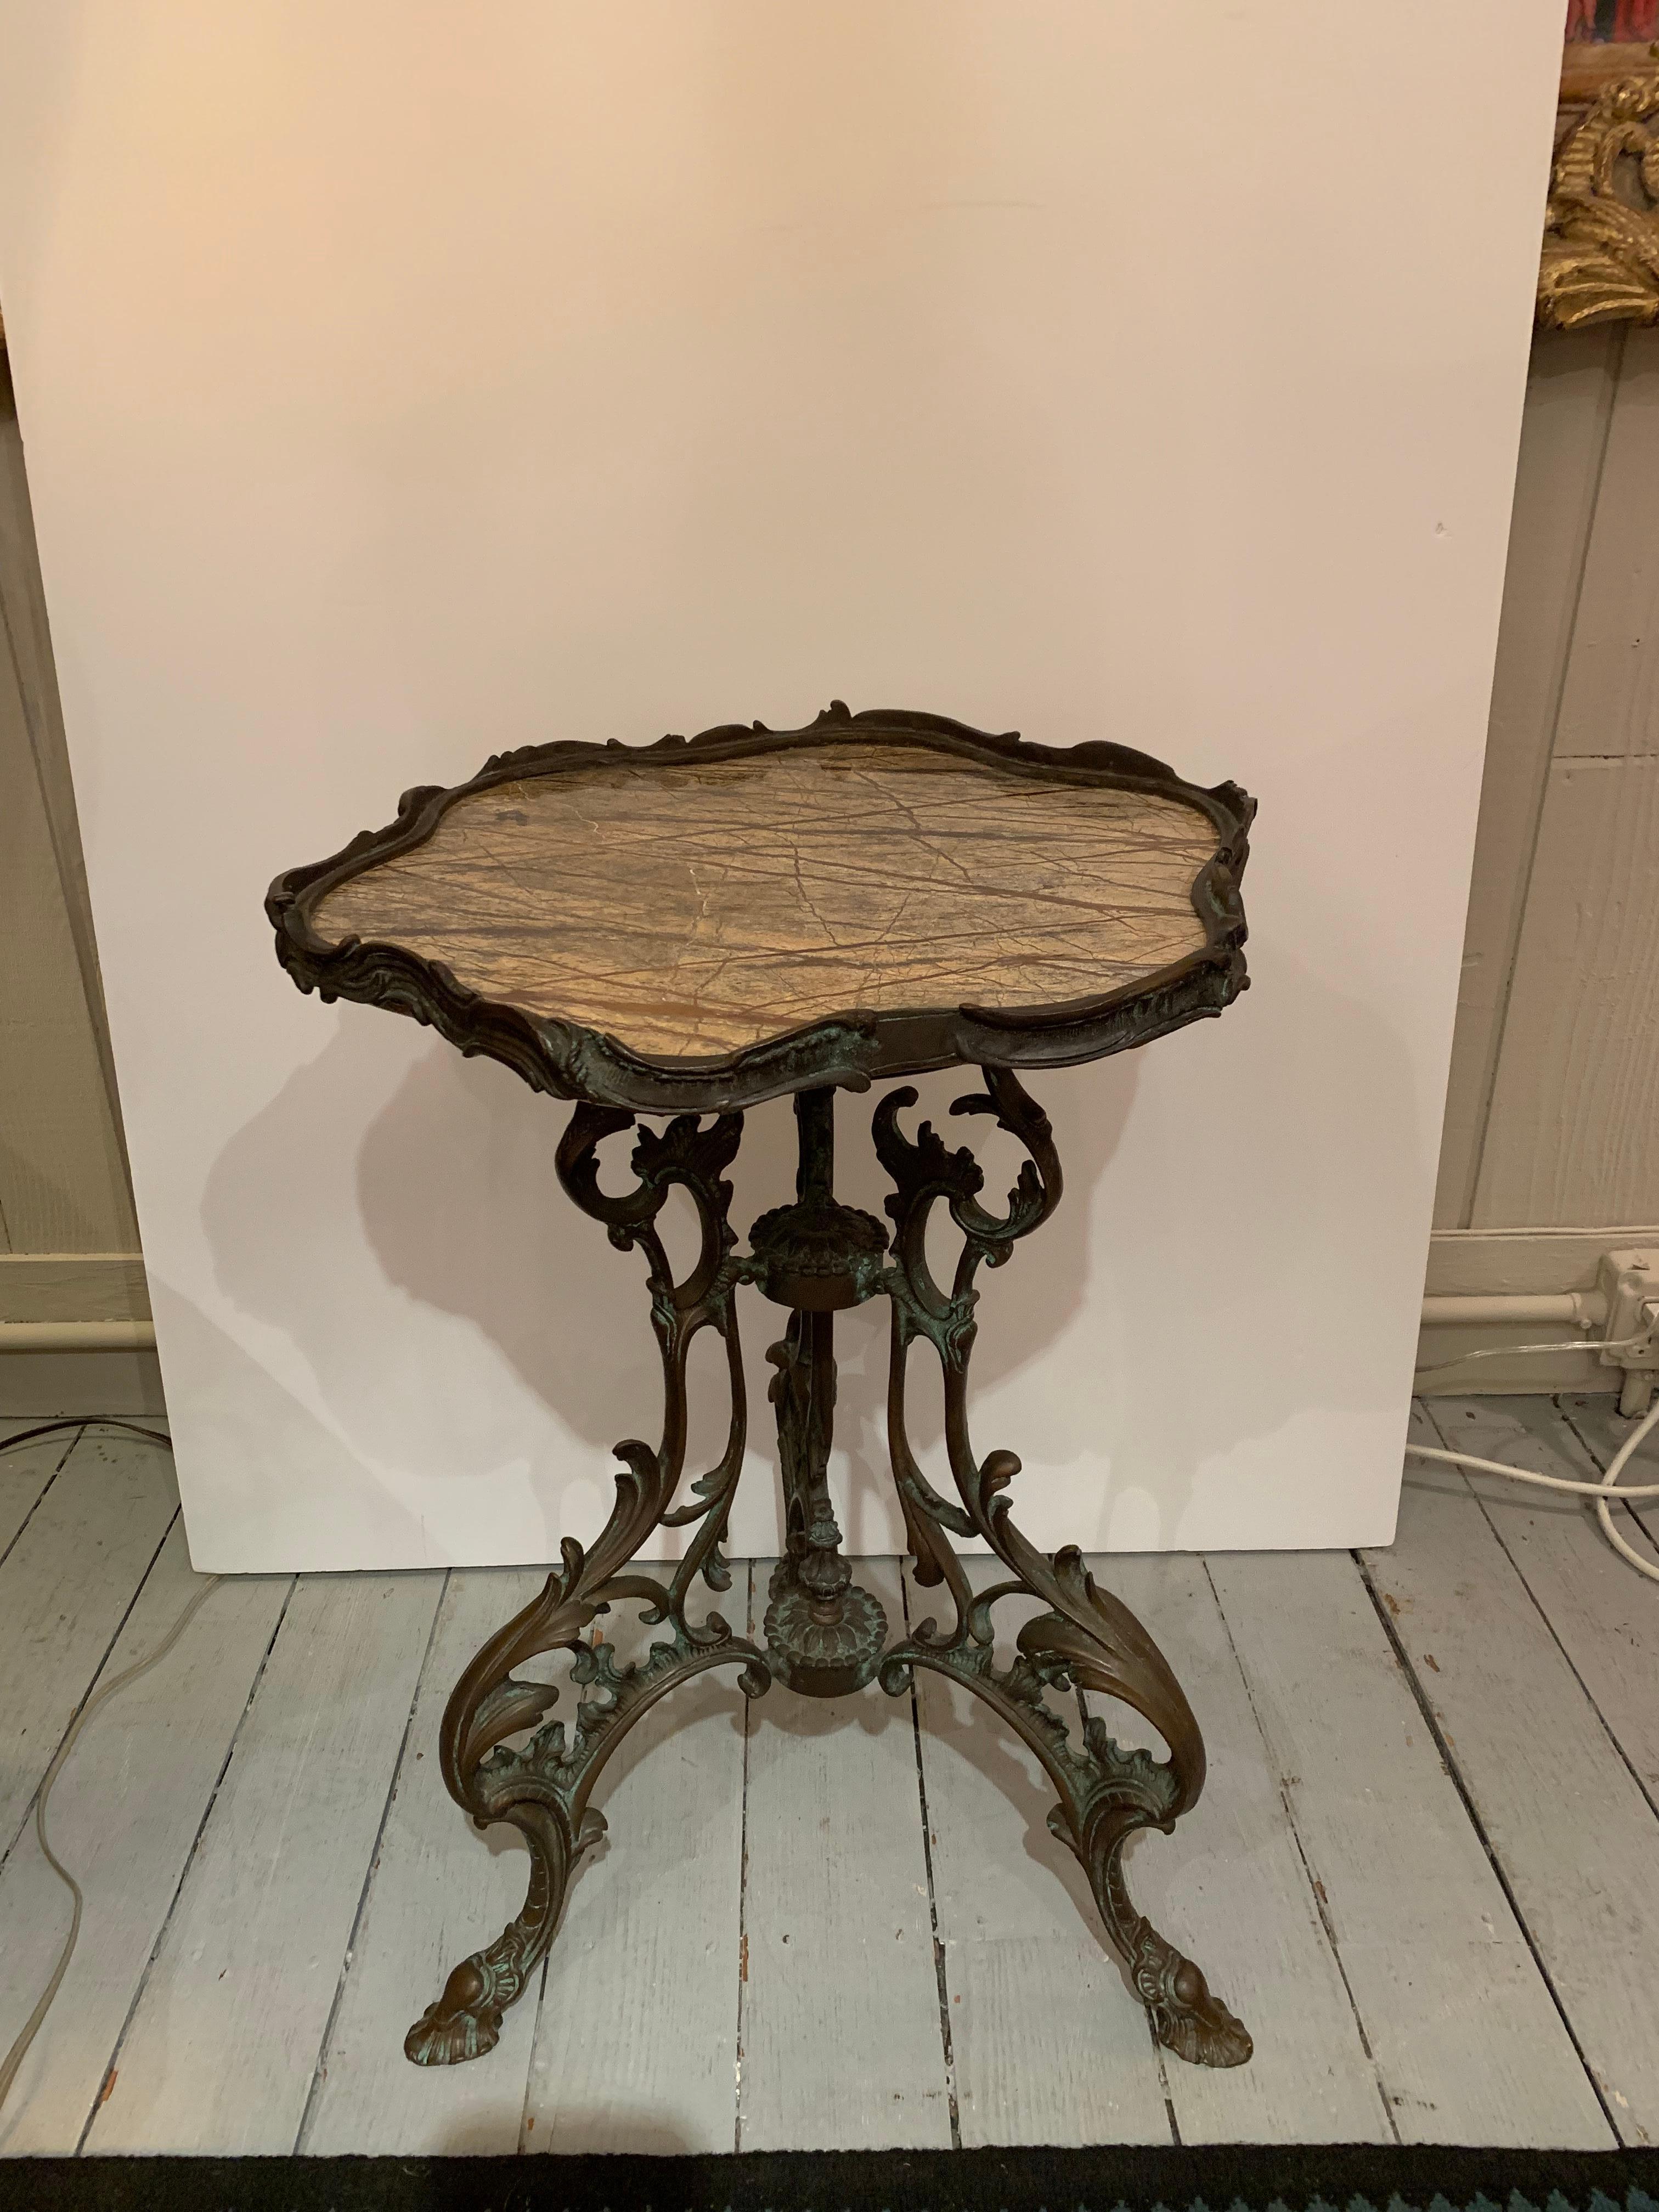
(401, 382)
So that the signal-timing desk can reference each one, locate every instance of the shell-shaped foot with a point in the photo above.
(1189, 2019)
(464, 2024)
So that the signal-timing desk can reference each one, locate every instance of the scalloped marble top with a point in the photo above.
(691, 907)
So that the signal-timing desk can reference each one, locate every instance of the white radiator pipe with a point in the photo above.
(1530, 1309)
(77, 1336)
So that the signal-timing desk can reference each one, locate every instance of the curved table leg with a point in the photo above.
(1105, 1792)
(1086, 1638)
(543, 1790)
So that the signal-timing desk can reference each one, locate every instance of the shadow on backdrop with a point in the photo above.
(1239, 1260)
(462, 1211)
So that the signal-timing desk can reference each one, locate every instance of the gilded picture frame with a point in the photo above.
(1600, 261)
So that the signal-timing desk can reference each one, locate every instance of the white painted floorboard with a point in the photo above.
(222, 2047)
(25, 1472)
(637, 2043)
(1467, 2040)
(438, 1890)
(1232, 1889)
(277, 1882)
(1048, 2045)
(842, 2048)
(1576, 1838)
(125, 1816)
(65, 1586)
(1605, 1615)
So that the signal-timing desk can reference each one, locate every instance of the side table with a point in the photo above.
(686, 929)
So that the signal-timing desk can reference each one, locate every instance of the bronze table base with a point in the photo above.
(823, 1635)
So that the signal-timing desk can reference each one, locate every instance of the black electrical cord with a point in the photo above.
(86, 1421)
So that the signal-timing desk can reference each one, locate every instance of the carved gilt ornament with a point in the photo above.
(1600, 253)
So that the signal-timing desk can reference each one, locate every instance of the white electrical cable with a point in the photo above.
(1517, 1350)
(1602, 1491)
(1525, 1475)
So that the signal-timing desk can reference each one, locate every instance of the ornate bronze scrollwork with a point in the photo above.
(542, 1791)
(823, 1635)
(1087, 1639)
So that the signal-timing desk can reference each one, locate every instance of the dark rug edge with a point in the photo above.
(1218, 2176)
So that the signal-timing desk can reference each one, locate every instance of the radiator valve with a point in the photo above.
(1630, 1283)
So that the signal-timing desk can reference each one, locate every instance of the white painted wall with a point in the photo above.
(402, 381)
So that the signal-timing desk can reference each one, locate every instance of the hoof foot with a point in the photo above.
(462, 2024)
(1190, 2020)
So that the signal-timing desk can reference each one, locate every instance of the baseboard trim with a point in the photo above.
(1492, 1262)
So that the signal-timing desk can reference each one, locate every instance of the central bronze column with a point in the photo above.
(823, 1634)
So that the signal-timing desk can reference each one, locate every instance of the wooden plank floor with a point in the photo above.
(1422, 1869)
